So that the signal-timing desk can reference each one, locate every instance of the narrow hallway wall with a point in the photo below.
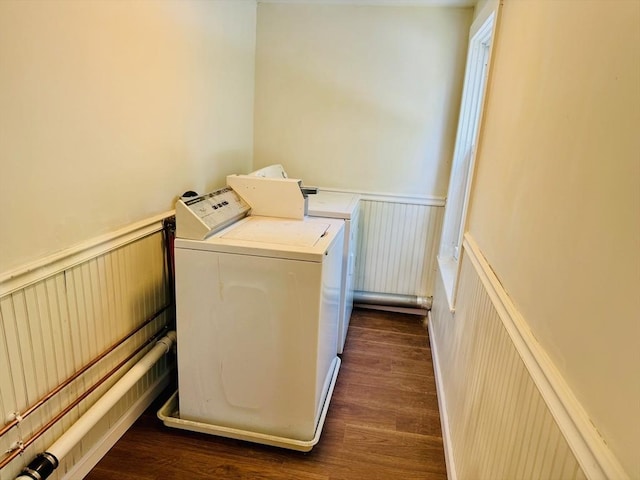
(109, 110)
(556, 201)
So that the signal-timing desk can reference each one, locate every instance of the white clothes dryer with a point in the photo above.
(345, 206)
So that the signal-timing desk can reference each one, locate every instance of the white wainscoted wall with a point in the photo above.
(498, 425)
(58, 315)
(397, 244)
(110, 110)
(538, 366)
(506, 411)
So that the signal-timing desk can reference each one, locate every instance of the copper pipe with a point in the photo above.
(73, 377)
(5, 461)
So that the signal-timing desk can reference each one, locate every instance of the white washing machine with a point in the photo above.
(344, 206)
(257, 324)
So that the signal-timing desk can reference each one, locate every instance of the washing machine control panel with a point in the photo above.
(198, 217)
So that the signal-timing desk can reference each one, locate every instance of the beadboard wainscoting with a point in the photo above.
(505, 409)
(57, 316)
(398, 243)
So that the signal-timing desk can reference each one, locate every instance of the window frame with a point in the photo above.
(474, 94)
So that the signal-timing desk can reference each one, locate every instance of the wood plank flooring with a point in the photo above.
(383, 423)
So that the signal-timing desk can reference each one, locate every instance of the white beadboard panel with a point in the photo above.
(509, 413)
(499, 423)
(52, 325)
(397, 245)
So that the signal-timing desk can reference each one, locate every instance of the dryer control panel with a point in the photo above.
(198, 217)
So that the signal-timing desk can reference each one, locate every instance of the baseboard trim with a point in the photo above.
(89, 460)
(588, 447)
(442, 406)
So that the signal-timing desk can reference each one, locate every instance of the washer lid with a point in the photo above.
(281, 232)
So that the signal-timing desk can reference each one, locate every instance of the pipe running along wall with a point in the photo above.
(21, 446)
(17, 417)
(45, 463)
(392, 300)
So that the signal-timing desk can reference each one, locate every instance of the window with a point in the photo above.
(473, 94)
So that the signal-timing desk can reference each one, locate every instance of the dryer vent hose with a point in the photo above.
(392, 300)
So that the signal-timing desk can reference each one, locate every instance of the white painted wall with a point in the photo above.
(108, 110)
(360, 97)
(556, 201)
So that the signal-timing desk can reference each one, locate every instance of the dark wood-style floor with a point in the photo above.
(383, 423)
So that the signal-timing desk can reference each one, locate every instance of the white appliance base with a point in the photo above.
(170, 416)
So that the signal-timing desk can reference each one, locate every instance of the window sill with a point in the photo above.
(448, 267)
